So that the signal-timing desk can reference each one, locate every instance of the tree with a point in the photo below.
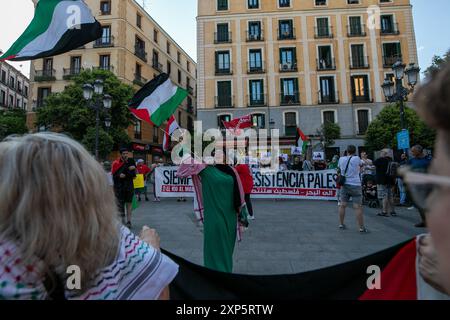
(329, 132)
(12, 121)
(68, 112)
(437, 63)
(105, 145)
(382, 132)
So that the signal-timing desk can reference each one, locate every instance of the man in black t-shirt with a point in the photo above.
(385, 183)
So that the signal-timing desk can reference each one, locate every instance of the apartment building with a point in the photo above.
(136, 49)
(14, 87)
(300, 63)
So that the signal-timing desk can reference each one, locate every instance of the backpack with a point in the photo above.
(392, 169)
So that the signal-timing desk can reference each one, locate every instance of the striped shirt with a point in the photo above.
(139, 272)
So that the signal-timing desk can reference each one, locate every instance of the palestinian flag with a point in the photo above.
(58, 26)
(157, 100)
(302, 141)
(172, 125)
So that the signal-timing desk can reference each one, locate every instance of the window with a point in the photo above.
(363, 121)
(284, 3)
(323, 29)
(155, 134)
(221, 119)
(327, 93)
(26, 91)
(19, 86)
(155, 36)
(288, 59)
(329, 117)
(224, 98)
(3, 78)
(188, 66)
(75, 65)
(12, 82)
(105, 62)
(388, 26)
(325, 59)
(319, 3)
(358, 59)
(255, 63)
(223, 64)
(259, 120)
(355, 27)
(253, 4)
(139, 21)
(360, 88)
(2, 98)
(138, 74)
(286, 30)
(391, 53)
(168, 47)
(179, 76)
(139, 48)
(290, 124)
(222, 5)
(254, 31)
(138, 130)
(105, 7)
(222, 34)
(11, 101)
(106, 38)
(289, 91)
(178, 57)
(256, 97)
(169, 68)
(42, 94)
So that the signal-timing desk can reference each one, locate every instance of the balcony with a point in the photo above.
(255, 67)
(251, 36)
(140, 53)
(326, 64)
(290, 99)
(328, 98)
(257, 100)
(68, 74)
(157, 66)
(388, 61)
(356, 31)
(359, 62)
(288, 67)
(224, 102)
(362, 98)
(104, 42)
(323, 32)
(224, 69)
(45, 75)
(104, 68)
(222, 37)
(390, 30)
(139, 80)
(286, 34)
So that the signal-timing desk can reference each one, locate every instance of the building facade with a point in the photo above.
(300, 63)
(14, 87)
(136, 49)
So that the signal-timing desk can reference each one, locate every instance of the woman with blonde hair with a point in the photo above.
(60, 237)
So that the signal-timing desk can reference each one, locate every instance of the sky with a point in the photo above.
(178, 18)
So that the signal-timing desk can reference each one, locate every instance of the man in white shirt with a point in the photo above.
(350, 167)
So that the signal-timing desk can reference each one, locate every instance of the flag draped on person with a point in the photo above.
(157, 100)
(58, 26)
(302, 140)
(172, 125)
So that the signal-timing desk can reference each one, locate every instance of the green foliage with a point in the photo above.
(382, 132)
(68, 111)
(330, 132)
(13, 121)
(105, 142)
(436, 64)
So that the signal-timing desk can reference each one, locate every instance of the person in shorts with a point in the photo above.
(350, 167)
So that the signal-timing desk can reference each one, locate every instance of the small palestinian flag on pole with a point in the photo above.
(58, 26)
(172, 125)
(157, 100)
(302, 141)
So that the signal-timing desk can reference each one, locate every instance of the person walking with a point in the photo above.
(385, 183)
(247, 183)
(143, 169)
(124, 171)
(350, 180)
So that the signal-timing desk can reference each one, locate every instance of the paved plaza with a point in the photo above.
(288, 236)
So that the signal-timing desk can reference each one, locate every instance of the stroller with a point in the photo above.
(370, 192)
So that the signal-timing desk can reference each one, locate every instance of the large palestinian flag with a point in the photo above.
(58, 26)
(157, 100)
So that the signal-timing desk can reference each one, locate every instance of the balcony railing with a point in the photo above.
(222, 37)
(323, 32)
(328, 98)
(45, 75)
(140, 53)
(224, 101)
(157, 66)
(104, 42)
(286, 34)
(356, 30)
(326, 64)
(363, 98)
(224, 69)
(190, 90)
(388, 61)
(289, 99)
(139, 80)
(288, 66)
(256, 100)
(359, 62)
(255, 36)
(71, 72)
(390, 30)
(256, 67)
(105, 68)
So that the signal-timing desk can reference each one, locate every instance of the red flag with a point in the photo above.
(239, 123)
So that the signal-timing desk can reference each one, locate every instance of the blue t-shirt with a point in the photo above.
(420, 163)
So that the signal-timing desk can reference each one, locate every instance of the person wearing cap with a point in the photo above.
(143, 169)
(124, 171)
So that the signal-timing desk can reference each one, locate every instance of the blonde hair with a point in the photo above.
(56, 204)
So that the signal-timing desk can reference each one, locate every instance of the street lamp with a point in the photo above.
(396, 92)
(99, 102)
